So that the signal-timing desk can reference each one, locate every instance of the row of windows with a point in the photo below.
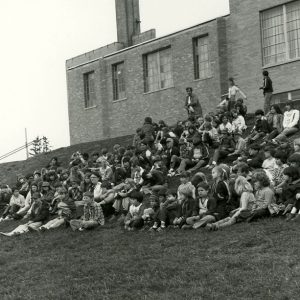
(157, 72)
(280, 31)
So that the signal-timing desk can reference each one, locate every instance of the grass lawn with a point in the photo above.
(246, 261)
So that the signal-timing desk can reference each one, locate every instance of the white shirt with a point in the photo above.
(290, 118)
(233, 91)
(134, 210)
(239, 124)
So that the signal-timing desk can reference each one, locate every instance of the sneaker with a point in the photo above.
(42, 228)
(81, 229)
(186, 227)
(296, 219)
(290, 216)
(155, 226)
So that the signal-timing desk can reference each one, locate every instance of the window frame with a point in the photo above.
(197, 62)
(146, 70)
(286, 32)
(89, 96)
(116, 82)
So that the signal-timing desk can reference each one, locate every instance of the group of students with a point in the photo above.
(224, 177)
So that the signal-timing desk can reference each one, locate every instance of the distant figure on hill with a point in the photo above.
(267, 90)
(192, 104)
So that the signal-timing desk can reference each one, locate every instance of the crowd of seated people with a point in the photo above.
(226, 177)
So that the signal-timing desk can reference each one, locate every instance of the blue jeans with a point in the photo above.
(286, 132)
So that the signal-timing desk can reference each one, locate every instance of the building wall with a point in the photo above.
(116, 118)
(245, 52)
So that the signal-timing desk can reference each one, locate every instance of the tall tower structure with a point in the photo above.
(128, 21)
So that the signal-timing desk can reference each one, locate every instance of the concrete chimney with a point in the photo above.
(128, 20)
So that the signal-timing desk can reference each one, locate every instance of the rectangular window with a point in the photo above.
(280, 30)
(202, 67)
(286, 96)
(118, 81)
(157, 70)
(89, 89)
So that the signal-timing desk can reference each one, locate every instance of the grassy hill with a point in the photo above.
(8, 171)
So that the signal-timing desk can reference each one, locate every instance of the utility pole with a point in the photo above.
(26, 144)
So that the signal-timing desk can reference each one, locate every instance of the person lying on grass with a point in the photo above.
(247, 200)
(134, 220)
(92, 214)
(64, 211)
(39, 213)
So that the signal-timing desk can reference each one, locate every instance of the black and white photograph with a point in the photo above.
(150, 149)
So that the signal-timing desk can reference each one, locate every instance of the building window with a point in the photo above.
(280, 28)
(202, 67)
(157, 70)
(286, 96)
(118, 81)
(89, 89)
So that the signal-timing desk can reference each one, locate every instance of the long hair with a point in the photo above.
(277, 109)
(242, 185)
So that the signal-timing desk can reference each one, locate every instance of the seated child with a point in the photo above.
(92, 214)
(65, 209)
(203, 209)
(16, 203)
(168, 210)
(38, 214)
(264, 196)
(186, 208)
(134, 220)
(261, 127)
(244, 189)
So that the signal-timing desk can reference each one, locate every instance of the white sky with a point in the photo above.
(37, 36)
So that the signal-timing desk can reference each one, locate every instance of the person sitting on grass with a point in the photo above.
(168, 210)
(264, 196)
(198, 157)
(16, 203)
(277, 174)
(227, 146)
(5, 195)
(184, 186)
(186, 209)
(240, 145)
(269, 163)
(260, 129)
(247, 200)
(39, 213)
(64, 211)
(238, 121)
(289, 124)
(225, 125)
(290, 188)
(92, 214)
(134, 220)
(204, 208)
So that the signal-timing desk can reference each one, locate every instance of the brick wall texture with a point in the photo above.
(234, 50)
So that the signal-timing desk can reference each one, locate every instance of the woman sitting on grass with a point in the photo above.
(39, 213)
(264, 196)
(64, 210)
(245, 190)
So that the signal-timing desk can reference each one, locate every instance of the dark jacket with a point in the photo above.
(148, 132)
(211, 206)
(262, 126)
(195, 104)
(187, 208)
(256, 161)
(220, 192)
(289, 191)
(39, 211)
(268, 85)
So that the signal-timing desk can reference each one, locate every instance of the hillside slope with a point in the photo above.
(9, 171)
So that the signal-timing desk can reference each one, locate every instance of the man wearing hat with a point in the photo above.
(92, 214)
(192, 104)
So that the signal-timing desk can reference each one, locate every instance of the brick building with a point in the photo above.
(112, 89)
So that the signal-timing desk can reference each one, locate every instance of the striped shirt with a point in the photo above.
(93, 212)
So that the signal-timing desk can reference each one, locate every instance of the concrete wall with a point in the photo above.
(245, 52)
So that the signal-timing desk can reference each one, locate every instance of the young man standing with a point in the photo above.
(192, 104)
(267, 90)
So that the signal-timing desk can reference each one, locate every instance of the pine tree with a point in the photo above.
(36, 147)
(46, 145)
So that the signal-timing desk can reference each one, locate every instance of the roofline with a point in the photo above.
(143, 43)
(164, 36)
